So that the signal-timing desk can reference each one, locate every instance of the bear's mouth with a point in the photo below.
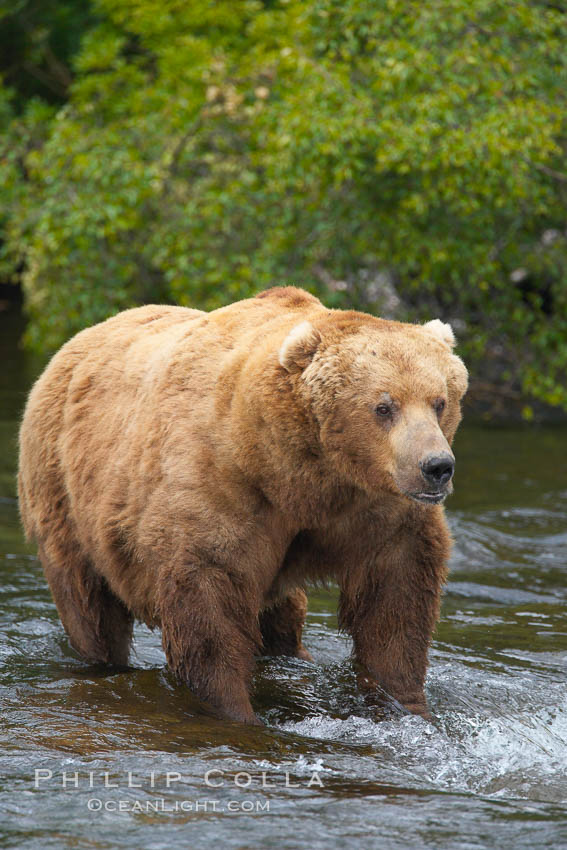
(428, 498)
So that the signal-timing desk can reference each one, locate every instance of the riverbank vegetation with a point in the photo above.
(402, 157)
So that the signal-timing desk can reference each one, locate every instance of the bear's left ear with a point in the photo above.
(298, 347)
(442, 331)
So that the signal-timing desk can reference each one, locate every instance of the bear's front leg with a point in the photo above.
(210, 635)
(390, 604)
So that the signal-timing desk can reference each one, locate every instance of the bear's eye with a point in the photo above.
(383, 409)
(439, 406)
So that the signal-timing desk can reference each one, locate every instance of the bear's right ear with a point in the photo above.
(298, 347)
(442, 331)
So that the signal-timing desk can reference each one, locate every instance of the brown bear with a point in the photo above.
(195, 470)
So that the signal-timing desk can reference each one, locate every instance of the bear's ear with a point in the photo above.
(442, 331)
(298, 347)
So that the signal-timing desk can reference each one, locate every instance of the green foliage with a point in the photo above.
(209, 149)
(37, 39)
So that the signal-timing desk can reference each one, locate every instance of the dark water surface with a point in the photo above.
(490, 772)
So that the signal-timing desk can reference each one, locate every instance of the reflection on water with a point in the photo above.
(490, 772)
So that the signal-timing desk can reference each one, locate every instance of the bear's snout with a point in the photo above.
(438, 469)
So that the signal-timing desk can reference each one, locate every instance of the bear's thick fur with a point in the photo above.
(195, 470)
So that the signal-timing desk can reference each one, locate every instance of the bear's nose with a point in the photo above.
(438, 469)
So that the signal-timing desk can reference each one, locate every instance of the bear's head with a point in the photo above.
(385, 397)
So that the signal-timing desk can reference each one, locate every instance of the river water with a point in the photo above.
(91, 758)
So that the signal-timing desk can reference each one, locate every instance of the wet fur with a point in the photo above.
(191, 471)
